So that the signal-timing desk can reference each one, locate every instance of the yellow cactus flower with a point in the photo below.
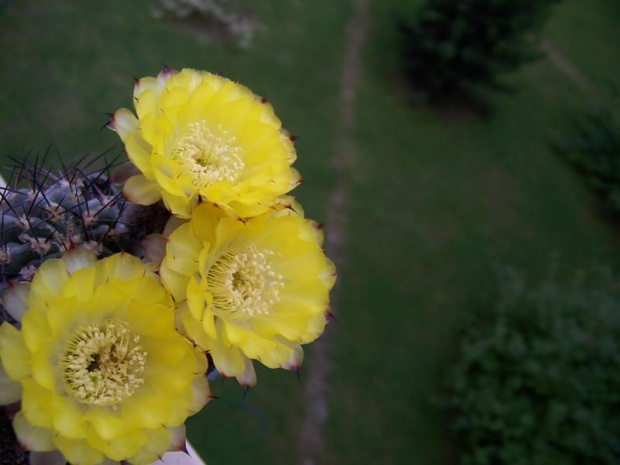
(103, 375)
(249, 289)
(201, 136)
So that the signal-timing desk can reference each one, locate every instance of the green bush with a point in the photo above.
(593, 146)
(538, 379)
(454, 48)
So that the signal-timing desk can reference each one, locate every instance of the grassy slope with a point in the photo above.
(440, 199)
(584, 32)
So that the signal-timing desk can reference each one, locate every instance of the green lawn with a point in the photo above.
(441, 200)
(438, 200)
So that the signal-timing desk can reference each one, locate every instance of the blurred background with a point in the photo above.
(465, 155)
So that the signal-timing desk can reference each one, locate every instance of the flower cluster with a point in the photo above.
(104, 354)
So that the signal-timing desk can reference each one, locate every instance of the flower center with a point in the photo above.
(243, 283)
(103, 363)
(208, 155)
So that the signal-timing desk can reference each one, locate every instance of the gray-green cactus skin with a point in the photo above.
(42, 215)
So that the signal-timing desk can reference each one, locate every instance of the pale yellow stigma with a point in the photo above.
(208, 155)
(243, 283)
(103, 363)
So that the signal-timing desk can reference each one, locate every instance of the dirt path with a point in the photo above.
(566, 67)
(312, 439)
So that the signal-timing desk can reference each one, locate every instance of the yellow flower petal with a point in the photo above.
(107, 424)
(99, 360)
(182, 251)
(123, 266)
(148, 411)
(176, 283)
(168, 175)
(10, 391)
(247, 379)
(316, 326)
(49, 278)
(69, 420)
(122, 173)
(158, 441)
(124, 122)
(32, 437)
(205, 220)
(35, 326)
(15, 299)
(148, 291)
(178, 441)
(37, 404)
(139, 151)
(117, 448)
(283, 355)
(78, 258)
(78, 451)
(145, 93)
(80, 285)
(44, 371)
(39, 328)
(201, 393)
(197, 131)
(154, 246)
(13, 353)
(138, 189)
(179, 205)
(259, 290)
(194, 329)
(229, 360)
(165, 380)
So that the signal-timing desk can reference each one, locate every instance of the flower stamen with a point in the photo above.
(208, 155)
(102, 364)
(243, 283)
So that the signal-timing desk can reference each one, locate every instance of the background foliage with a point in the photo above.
(537, 381)
(453, 49)
(592, 144)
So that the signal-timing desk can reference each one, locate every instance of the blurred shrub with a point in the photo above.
(593, 146)
(538, 379)
(454, 48)
(216, 15)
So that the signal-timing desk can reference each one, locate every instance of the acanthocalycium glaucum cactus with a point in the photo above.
(43, 214)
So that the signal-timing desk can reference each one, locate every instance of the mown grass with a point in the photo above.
(438, 198)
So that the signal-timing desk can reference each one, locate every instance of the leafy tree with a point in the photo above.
(592, 145)
(455, 48)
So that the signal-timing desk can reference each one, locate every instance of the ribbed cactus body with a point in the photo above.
(43, 215)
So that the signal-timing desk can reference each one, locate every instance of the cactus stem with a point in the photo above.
(116, 221)
(27, 272)
(92, 160)
(39, 246)
(27, 218)
(5, 199)
(5, 257)
(111, 202)
(84, 227)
